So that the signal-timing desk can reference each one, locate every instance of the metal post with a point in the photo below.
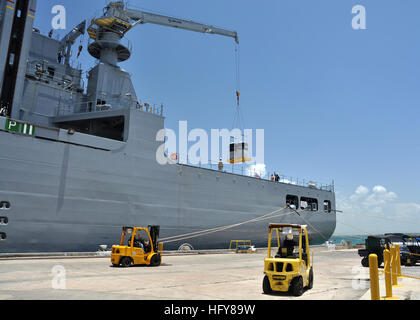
(387, 268)
(388, 280)
(394, 267)
(374, 277)
(398, 253)
(270, 236)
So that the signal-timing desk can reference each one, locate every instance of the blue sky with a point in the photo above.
(335, 103)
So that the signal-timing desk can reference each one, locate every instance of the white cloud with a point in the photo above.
(362, 190)
(375, 210)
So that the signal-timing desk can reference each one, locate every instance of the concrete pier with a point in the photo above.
(338, 275)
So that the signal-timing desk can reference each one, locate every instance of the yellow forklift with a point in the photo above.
(142, 247)
(290, 269)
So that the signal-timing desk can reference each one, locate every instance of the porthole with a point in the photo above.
(2, 236)
(4, 221)
(5, 205)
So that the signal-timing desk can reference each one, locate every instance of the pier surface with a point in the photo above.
(338, 275)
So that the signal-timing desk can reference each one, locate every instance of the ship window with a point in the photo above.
(110, 127)
(4, 221)
(309, 204)
(2, 236)
(327, 206)
(292, 200)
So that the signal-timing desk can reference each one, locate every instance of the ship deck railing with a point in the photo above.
(64, 108)
(245, 170)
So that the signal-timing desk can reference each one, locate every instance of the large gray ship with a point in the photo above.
(78, 161)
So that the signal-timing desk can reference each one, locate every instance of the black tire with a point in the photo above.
(296, 287)
(311, 279)
(365, 262)
(126, 262)
(266, 286)
(155, 260)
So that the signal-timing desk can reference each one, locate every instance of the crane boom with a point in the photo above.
(142, 17)
(69, 39)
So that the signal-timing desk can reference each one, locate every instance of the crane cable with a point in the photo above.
(238, 120)
(267, 216)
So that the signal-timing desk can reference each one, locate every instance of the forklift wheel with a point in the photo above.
(365, 262)
(126, 262)
(311, 279)
(266, 286)
(296, 287)
(155, 261)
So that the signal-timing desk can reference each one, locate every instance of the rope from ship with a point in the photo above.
(310, 225)
(201, 233)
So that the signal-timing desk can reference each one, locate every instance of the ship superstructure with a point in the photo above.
(78, 161)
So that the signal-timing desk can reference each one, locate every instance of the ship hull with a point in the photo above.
(66, 196)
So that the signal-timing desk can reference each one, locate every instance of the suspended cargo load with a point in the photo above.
(239, 153)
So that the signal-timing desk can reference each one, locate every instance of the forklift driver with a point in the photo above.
(288, 247)
(138, 242)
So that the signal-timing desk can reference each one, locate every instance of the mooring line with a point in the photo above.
(195, 234)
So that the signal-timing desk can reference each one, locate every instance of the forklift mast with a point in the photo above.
(154, 235)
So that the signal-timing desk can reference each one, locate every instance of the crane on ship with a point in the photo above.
(107, 31)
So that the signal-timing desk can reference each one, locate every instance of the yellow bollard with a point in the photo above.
(398, 253)
(374, 277)
(388, 280)
(394, 266)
